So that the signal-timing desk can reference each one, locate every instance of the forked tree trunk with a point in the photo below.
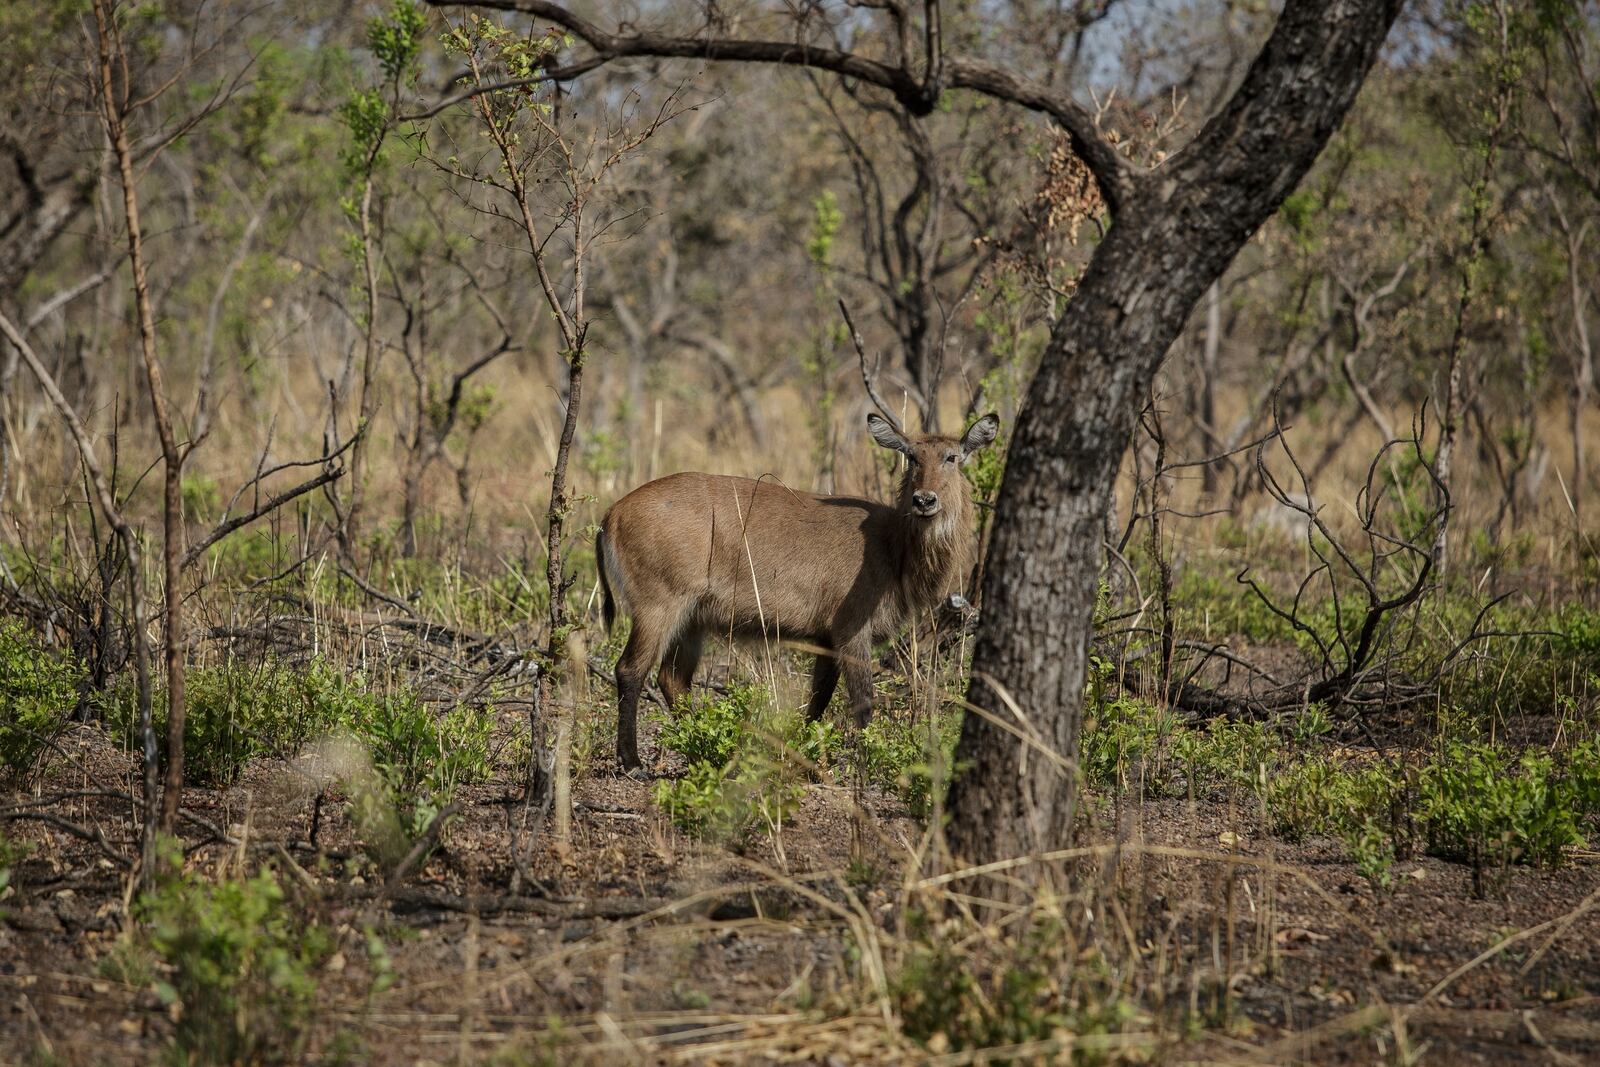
(1174, 236)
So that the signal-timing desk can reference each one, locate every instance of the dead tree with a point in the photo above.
(1372, 580)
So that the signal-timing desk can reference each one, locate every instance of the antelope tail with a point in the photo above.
(602, 555)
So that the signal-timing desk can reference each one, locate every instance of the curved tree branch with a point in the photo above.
(918, 96)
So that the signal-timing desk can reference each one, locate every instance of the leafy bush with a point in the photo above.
(1127, 733)
(1227, 751)
(1372, 849)
(730, 803)
(1476, 804)
(910, 757)
(38, 690)
(748, 762)
(420, 756)
(1321, 796)
(238, 967)
(417, 756)
(12, 853)
(1473, 802)
(235, 713)
(1579, 634)
(710, 730)
(1119, 734)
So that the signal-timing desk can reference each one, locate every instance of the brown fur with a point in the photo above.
(696, 555)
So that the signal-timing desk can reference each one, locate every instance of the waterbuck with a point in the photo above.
(692, 555)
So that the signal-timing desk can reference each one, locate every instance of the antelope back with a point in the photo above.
(746, 556)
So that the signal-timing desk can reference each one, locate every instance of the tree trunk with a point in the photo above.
(1208, 386)
(171, 454)
(371, 353)
(1172, 239)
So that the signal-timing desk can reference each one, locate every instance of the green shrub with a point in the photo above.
(12, 853)
(910, 757)
(1227, 751)
(748, 762)
(709, 730)
(202, 498)
(1372, 849)
(731, 803)
(234, 713)
(1318, 796)
(1578, 630)
(38, 691)
(1126, 734)
(420, 756)
(1120, 734)
(1475, 804)
(238, 966)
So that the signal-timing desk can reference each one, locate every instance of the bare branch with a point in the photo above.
(917, 96)
(866, 375)
(226, 527)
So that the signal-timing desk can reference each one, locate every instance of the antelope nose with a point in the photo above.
(923, 500)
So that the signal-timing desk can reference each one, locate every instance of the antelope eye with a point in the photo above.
(951, 457)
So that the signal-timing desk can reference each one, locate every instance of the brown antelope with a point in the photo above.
(692, 555)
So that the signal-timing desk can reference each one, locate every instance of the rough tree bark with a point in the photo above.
(1176, 234)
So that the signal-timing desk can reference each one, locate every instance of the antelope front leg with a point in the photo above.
(855, 658)
(824, 678)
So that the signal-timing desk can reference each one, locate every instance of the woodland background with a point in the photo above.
(1321, 778)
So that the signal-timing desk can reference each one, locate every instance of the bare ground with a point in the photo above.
(637, 944)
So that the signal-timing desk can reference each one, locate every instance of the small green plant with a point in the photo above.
(758, 790)
(910, 757)
(1372, 850)
(418, 759)
(1579, 634)
(748, 762)
(238, 967)
(1322, 796)
(693, 802)
(1477, 804)
(956, 993)
(1119, 735)
(1473, 802)
(201, 497)
(711, 730)
(238, 712)
(38, 691)
(12, 853)
(423, 756)
(1237, 752)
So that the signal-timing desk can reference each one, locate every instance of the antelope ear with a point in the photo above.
(981, 433)
(886, 435)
